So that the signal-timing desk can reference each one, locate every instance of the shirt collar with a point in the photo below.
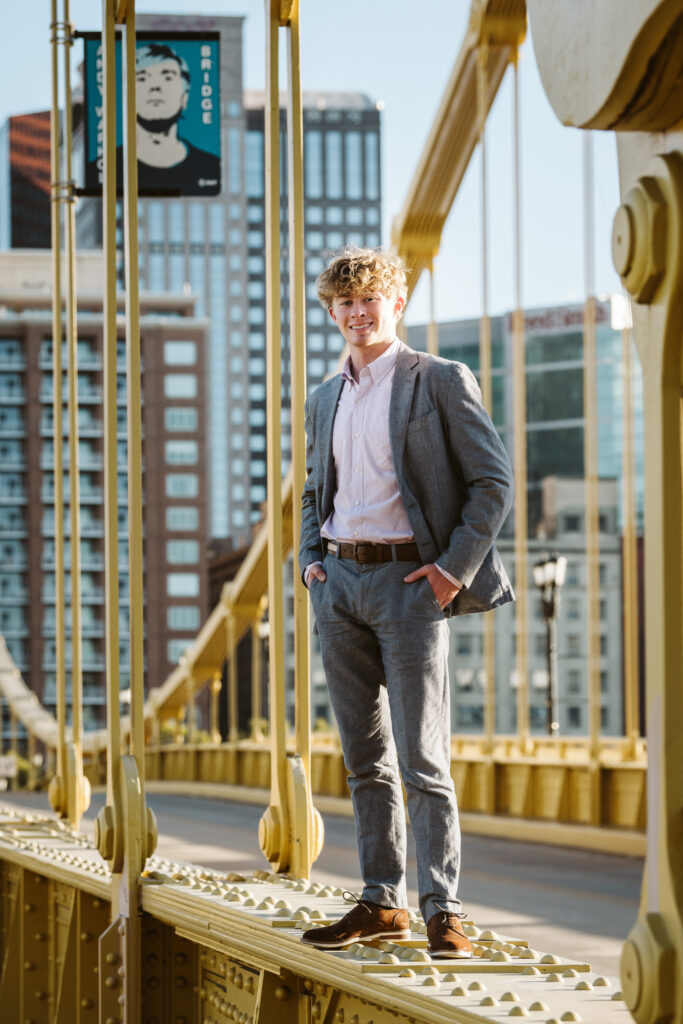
(379, 367)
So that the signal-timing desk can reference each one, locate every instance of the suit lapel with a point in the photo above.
(326, 415)
(403, 385)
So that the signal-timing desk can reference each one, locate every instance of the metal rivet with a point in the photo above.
(111, 981)
(111, 958)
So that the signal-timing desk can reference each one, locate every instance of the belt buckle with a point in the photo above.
(361, 545)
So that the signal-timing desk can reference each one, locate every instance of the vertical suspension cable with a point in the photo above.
(110, 468)
(488, 626)
(297, 348)
(256, 675)
(74, 480)
(590, 413)
(519, 443)
(630, 549)
(58, 794)
(134, 398)
(273, 420)
(232, 678)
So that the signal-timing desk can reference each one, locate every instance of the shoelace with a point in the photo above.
(352, 898)
(445, 914)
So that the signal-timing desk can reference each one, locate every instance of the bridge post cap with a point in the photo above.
(648, 968)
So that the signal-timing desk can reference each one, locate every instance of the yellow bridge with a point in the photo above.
(109, 931)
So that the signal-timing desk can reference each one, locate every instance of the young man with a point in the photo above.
(408, 485)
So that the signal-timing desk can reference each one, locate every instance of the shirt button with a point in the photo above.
(356, 503)
(356, 434)
(357, 469)
(355, 533)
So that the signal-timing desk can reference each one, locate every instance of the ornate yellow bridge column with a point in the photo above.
(616, 66)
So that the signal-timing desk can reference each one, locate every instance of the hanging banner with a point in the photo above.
(178, 114)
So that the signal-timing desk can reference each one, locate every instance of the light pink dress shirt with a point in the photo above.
(368, 505)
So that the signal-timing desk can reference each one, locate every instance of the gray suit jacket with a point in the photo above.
(452, 469)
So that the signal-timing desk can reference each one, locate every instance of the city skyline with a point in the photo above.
(410, 87)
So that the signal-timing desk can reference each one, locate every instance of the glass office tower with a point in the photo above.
(215, 249)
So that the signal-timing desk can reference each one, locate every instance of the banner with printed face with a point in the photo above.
(178, 114)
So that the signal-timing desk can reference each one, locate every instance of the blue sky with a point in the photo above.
(387, 51)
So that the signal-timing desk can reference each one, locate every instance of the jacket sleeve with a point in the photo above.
(310, 543)
(480, 455)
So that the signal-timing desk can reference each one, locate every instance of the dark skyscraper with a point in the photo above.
(25, 182)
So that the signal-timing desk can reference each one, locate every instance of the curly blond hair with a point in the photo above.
(355, 271)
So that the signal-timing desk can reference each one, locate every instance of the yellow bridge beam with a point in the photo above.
(618, 67)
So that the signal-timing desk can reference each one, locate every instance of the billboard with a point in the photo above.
(178, 114)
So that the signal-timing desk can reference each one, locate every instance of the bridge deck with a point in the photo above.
(256, 918)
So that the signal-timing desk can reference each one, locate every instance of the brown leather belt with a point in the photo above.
(365, 552)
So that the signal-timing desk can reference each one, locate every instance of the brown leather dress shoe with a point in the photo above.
(446, 936)
(363, 923)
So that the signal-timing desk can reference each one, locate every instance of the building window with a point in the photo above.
(180, 385)
(181, 518)
(177, 418)
(574, 715)
(354, 166)
(372, 165)
(182, 485)
(156, 271)
(155, 222)
(176, 225)
(313, 165)
(179, 552)
(182, 453)
(234, 161)
(183, 616)
(314, 239)
(217, 224)
(182, 584)
(197, 223)
(176, 648)
(314, 214)
(573, 681)
(463, 643)
(333, 165)
(254, 164)
(180, 353)
(574, 645)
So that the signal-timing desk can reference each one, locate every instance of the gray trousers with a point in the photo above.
(384, 647)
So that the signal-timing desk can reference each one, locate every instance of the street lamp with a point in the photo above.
(549, 575)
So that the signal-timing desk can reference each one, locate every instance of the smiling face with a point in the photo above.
(161, 90)
(367, 321)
